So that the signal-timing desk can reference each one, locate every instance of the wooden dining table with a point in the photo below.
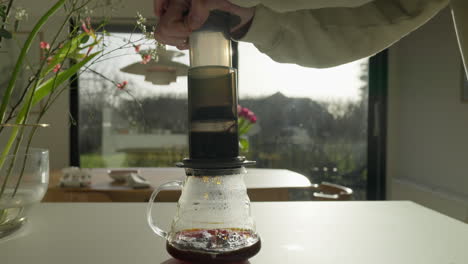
(262, 185)
(389, 232)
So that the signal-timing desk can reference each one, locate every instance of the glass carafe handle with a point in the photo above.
(149, 208)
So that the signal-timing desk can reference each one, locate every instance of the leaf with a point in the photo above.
(3, 12)
(244, 129)
(5, 33)
(244, 144)
(68, 50)
(84, 39)
(48, 86)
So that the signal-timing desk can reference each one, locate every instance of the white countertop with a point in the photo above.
(292, 232)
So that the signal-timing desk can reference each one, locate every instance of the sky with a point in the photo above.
(258, 76)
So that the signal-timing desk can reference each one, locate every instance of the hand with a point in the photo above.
(178, 18)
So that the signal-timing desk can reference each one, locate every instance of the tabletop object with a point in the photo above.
(291, 232)
(262, 185)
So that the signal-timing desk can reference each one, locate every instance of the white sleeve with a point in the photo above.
(282, 6)
(328, 37)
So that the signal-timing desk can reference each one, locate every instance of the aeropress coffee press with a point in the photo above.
(213, 223)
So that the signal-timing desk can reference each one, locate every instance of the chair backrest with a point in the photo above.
(326, 191)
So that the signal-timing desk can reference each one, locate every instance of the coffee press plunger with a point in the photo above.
(213, 223)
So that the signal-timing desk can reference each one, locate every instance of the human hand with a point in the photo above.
(178, 18)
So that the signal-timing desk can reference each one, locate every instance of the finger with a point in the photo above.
(172, 23)
(174, 29)
(173, 41)
(183, 47)
(199, 12)
(160, 7)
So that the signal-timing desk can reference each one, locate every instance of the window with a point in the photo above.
(312, 121)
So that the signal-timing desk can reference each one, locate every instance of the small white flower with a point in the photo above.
(154, 54)
(20, 14)
(140, 18)
(140, 23)
(87, 11)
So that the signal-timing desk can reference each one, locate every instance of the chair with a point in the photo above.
(326, 191)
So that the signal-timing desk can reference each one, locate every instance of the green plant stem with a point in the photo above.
(11, 84)
(14, 137)
(20, 177)
(21, 57)
(11, 114)
(24, 162)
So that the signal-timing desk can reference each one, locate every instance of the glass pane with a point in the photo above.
(311, 121)
(142, 125)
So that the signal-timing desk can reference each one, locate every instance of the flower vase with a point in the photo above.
(24, 178)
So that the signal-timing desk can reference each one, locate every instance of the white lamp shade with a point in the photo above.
(161, 72)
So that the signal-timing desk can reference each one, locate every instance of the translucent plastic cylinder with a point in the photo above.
(211, 45)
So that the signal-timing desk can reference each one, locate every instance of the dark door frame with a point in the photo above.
(377, 127)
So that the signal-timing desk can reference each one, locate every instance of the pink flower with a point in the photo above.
(251, 117)
(122, 85)
(137, 48)
(44, 45)
(49, 59)
(57, 68)
(146, 58)
(86, 26)
(244, 112)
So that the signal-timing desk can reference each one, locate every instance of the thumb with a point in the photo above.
(199, 12)
(160, 7)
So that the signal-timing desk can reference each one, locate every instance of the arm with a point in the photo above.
(282, 6)
(331, 36)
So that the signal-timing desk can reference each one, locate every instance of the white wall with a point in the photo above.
(428, 123)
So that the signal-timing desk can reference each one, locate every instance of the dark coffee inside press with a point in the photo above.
(212, 112)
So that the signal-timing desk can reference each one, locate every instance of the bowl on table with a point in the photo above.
(121, 175)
